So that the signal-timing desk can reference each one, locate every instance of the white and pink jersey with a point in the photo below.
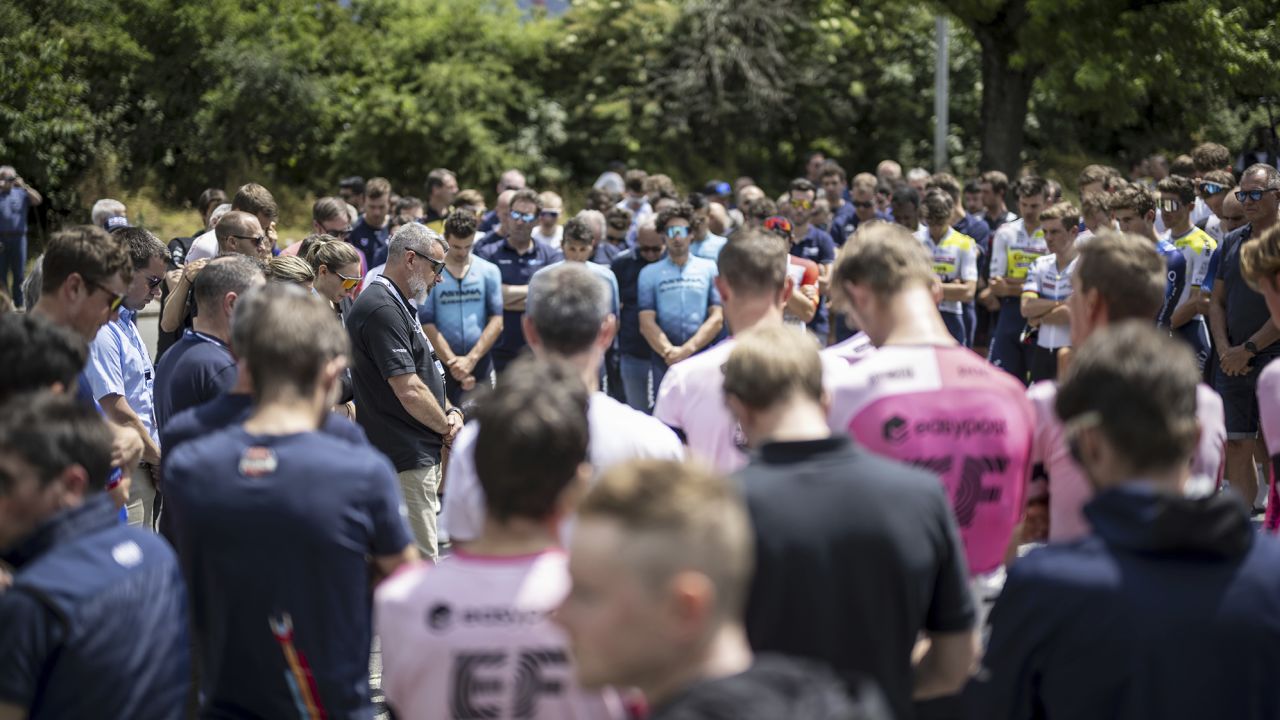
(1269, 414)
(472, 637)
(691, 402)
(1069, 489)
(851, 350)
(947, 410)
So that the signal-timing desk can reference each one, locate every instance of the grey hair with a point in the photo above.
(217, 214)
(106, 208)
(31, 287)
(1269, 172)
(413, 236)
(567, 303)
(226, 274)
(918, 174)
(595, 219)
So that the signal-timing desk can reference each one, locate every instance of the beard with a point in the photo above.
(417, 288)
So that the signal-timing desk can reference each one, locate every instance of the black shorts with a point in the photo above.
(1240, 399)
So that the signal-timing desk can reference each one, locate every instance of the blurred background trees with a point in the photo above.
(177, 95)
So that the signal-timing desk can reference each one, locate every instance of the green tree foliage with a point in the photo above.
(178, 95)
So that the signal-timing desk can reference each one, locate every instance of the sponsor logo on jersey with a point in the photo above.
(257, 461)
(897, 429)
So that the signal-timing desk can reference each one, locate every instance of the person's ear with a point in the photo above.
(74, 482)
(229, 303)
(691, 604)
(608, 329)
(530, 332)
(788, 287)
(723, 288)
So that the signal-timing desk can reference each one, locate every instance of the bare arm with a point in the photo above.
(488, 337)
(959, 291)
(119, 412)
(1266, 335)
(33, 196)
(1037, 307)
(513, 296)
(946, 665)
(1189, 309)
(802, 305)
(824, 278)
(1218, 318)
(652, 333)
(384, 566)
(418, 401)
(438, 342)
(1060, 315)
(708, 330)
(175, 307)
(1005, 287)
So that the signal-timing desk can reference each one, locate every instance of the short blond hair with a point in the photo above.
(865, 181)
(1064, 211)
(290, 269)
(886, 258)
(769, 364)
(1261, 258)
(679, 516)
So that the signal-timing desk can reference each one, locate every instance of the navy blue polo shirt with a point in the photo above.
(195, 370)
(95, 624)
(516, 269)
(371, 241)
(626, 267)
(820, 248)
(844, 222)
(274, 535)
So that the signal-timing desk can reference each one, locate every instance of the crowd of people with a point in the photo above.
(876, 447)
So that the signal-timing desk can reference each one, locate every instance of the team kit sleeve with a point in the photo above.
(1000, 254)
(388, 343)
(713, 293)
(1032, 283)
(969, 261)
(493, 291)
(1199, 261)
(826, 250)
(646, 289)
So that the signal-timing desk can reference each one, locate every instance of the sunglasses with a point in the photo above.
(154, 281)
(350, 282)
(550, 213)
(340, 234)
(1169, 205)
(864, 204)
(1254, 195)
(117, 299)
(678, 232)
(523, 217)
(802, 204)
(1209, 188)
(778, 224)
(437, 266)
(649, 249)
(258, 240)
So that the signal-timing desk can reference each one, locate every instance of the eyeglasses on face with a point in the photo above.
(677, 232)
(259, 240)
(800, 204)
(437, 266)
(117, 299)
(340, 234)
(864, 204)
(350, 282)
(550, 213)
(523, 217)
(1170, 205)
(1254, 195)
(154, 281)
(778, 224)
(1208, 188)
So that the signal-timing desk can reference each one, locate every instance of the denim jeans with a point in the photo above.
(13, 257)
(635, 382)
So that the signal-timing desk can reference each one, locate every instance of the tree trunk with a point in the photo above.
(1005, 94)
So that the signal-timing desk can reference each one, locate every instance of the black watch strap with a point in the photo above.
(1251, 347)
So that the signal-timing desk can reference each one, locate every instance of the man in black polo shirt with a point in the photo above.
(398, 380)
(855, 554)
(518, 258)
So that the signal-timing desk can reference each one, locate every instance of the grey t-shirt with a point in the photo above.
(386, 341)
(1246, 308)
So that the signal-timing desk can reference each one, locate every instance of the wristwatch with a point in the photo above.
(457, 410)
(1253, 349)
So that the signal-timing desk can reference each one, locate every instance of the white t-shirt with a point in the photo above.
(692, 399)
(553, 239)
(204, 246)
(618, 434)
(473, 637)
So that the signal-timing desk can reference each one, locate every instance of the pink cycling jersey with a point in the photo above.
(1269, 414)
(1069, 490)
(949, 411)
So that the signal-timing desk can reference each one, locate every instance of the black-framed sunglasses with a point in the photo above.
(1254, 195)
(437, 266)
(154, 281)
(117, 299)
(340, 234)
(1209, 188)
(259, 240)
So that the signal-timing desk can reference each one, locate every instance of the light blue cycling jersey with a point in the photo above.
(461, 307)
(681, 296)
(708, 247)
(605, 274)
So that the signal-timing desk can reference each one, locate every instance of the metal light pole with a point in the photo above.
(941, 99)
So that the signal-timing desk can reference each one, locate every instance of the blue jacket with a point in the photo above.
(95, 625)
(1171, 610)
